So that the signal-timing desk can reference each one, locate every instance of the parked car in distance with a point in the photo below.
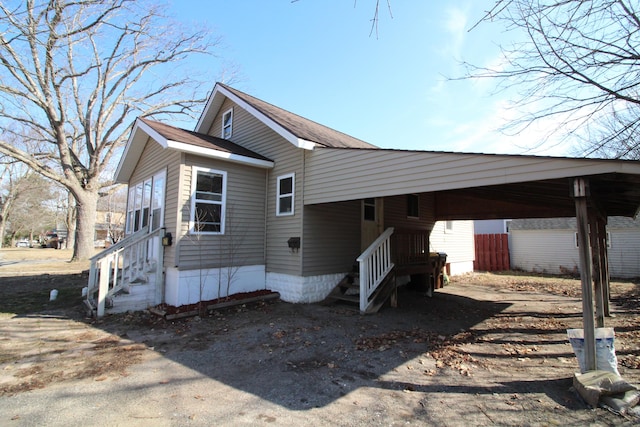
(24, 243)
(51, 240)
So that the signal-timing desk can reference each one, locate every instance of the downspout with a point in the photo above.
(304, 169)
(266, 210)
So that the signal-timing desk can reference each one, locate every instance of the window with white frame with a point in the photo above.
(130, 210)
(145, 204)
(227, 124)
(285, 191)
(208, 198)
(137, 207)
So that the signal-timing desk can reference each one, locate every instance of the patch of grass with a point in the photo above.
(30, 294)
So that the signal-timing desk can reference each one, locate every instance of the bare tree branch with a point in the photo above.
(73, 76)
(580, 65)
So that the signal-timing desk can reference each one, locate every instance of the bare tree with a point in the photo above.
(24, 208)
(75, 73)
(578, 65)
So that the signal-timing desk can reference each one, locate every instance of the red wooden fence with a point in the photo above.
(492, 252)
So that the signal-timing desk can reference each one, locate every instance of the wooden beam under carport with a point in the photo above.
(580, 195)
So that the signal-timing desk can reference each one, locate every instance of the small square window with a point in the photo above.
(285, 195)
(227, 124)
(369, 209)
(413, 206)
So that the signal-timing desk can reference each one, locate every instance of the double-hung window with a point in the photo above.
(227, 124)
(208, 198)
(284, 198)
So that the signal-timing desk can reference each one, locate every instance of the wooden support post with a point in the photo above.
(604, 254)
(580, 193)
(594, 240)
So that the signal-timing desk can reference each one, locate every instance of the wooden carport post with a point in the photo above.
(597, 254)
(580, 194)
(604, 264)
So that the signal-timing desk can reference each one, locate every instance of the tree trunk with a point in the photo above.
(1, 231)
(70, 222)
(86, 202)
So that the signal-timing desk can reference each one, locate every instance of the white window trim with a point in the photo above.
(223, 202)
(162, 174)
(293, 194)
(448, 226)
(130, 226)
(230, 126)
(130, 210)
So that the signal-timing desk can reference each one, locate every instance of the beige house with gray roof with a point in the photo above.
(259, 198)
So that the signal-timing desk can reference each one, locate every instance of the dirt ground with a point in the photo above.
(489, 349)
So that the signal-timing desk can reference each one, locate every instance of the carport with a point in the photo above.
(484, 186)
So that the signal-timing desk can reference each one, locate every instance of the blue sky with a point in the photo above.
(317, 58)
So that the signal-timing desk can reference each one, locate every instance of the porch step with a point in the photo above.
(348, 290)
(385, 291)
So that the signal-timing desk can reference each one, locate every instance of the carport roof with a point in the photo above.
(474, 186)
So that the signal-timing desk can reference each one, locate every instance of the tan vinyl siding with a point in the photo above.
(154, 159)
(332, 237)
(347, 174)
(395, 213)
(250, 133)
(243, 241)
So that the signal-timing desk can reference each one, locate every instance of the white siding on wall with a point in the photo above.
(554, 252)
(457, 243)
(544, 251)
(624, 254)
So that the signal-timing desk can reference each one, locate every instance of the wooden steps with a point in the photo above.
(347, 291)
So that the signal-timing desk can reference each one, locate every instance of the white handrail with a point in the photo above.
(375, 264)
(116, 267)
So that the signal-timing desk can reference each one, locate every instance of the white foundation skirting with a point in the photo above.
(300, 289)
(184, 287)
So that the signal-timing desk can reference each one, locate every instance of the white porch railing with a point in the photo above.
(131, 260)
(375, 265)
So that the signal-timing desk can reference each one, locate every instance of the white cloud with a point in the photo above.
(482, 134)
(455, 25)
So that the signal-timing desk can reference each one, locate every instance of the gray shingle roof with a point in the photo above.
(200, 140)
(299, 126)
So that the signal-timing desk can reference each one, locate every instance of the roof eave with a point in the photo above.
(132, 150)
(219, 154)
(215, 101)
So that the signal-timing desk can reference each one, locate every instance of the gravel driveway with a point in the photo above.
(471, 355)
